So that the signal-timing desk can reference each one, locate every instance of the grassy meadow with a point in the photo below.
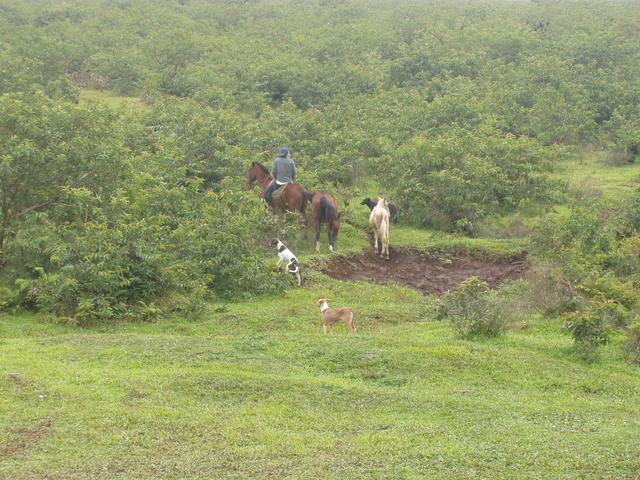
(254, 390)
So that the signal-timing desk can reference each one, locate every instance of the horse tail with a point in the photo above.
(308, 195)
(327, 211)
(384, 229)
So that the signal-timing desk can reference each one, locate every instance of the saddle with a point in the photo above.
(278, 192)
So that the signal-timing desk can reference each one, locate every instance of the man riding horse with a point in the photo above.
(283, 171)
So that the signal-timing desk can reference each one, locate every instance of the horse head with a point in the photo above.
(252, 174)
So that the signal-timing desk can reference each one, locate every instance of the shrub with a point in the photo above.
(120, 71)
(454, 179)
(632, 347)
(63, 89)
(606, 286)
(589, 327)
(474, 310)
(552, 292)
(150, 249)
(8, 297)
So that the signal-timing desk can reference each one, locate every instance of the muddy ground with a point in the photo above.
(431, 274)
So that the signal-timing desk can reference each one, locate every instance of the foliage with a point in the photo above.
(459, 177)
(63, 88)
(590, 327)
(456, 111)
(597, 248)
(554, 293)
(150, 248)
(473, 310)
(47, 145)
(632, 348)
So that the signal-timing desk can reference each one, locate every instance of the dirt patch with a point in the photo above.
(428, 273)
(15, 378)
(26, 438)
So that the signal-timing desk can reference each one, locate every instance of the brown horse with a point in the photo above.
(324, 208)
(292, 198)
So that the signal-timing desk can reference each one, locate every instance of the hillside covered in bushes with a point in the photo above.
(459, 111)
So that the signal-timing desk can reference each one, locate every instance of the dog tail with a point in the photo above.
(294, 269)
(352, 323)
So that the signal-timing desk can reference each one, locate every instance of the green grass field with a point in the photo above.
(591, 173)
(254, 390)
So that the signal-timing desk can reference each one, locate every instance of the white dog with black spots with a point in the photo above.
(286, 257)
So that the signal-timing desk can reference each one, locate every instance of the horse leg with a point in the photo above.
(331, 238)
(334, 237)
(276, 213)
(386, 244)
(317, 225)
(385, 239)
(375, 240)
(303, 212)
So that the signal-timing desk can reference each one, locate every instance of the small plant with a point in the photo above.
(552, 292)
(473, 310)
(589, 327)
(7, 298)
(632, 347)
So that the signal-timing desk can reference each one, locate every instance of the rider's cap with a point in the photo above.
(284, 151)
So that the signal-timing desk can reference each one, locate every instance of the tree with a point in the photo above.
(46, 145)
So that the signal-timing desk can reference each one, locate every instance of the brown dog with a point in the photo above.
(331, 316)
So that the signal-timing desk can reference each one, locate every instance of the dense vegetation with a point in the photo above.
(460, 111)
(497, 127)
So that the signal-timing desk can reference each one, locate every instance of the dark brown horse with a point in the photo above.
(292, 198)
(324, 208)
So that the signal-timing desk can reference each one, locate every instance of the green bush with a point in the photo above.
(8, 297)
(632, 347)
(453, 179)
(552, 291)
(63, 89)
(119, 72)
(150, 249)
(597, 250)
(474, 310)
(50, 144)
(589, 327)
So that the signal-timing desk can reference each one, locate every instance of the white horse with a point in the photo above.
(379, 220)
